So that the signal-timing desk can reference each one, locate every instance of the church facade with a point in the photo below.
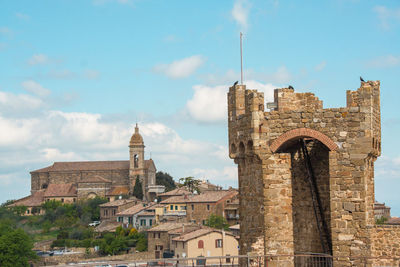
(110, 179)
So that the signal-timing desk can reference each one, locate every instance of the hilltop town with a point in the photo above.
(124, 199)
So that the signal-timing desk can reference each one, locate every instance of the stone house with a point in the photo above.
(116, 192)
(197, 208)
(140, 216)
(159, 237)
(109, 210)
(231, 211)
(33, 204)
(381, 210)
(66, 193)
(200, 207)
(206, 242)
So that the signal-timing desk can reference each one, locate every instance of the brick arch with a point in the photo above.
(303, 132)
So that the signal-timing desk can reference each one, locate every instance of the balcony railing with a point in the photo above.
(158, 189)
(175, 213)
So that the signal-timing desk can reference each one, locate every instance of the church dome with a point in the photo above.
(136, 138)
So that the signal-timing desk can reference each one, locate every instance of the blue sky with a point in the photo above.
(75, 76)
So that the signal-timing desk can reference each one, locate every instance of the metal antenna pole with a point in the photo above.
(241, 59)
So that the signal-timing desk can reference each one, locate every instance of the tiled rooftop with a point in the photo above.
(60, 190)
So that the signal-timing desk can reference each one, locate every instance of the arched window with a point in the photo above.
(136, 161)
(200, 244)
(44, 186)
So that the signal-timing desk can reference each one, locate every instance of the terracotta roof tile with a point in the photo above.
(197, 233)
(34, 200)
(206, 197)
(60, 190)
(133, 210)
(146, 213)
(117, 203)
(193, 234)
(393, 220)
(89, 166)
(176, 192)
(118, 190)
(165, 227)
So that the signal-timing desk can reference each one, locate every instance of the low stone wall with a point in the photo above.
(385, 244)
(82, 257)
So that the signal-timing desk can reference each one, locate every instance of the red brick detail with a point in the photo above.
(302, 132)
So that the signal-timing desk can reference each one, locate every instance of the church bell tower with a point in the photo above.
(136, 160)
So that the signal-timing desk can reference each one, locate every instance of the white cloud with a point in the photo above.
(320, 66)
(225, 176)
(209, 104)
(5, 31)
(36, 88)
(61, 74)
(180, 68)
(12, 104)
(240, 13)
(91, 74)
(384, 62)
(22, 16)
(38, 59)
(387, 16)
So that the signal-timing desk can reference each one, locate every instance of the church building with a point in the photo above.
(71, 181)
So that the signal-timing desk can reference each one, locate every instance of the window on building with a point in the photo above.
(176, 207)
(218, 243)
(204, 222)
(228, 260)
(208, 206)
(200, 244)
(171, 207)
(27, 211)
(183, 207)
(120, 219)
(74, 200)
(150, 222)
(192, 207)
(154, 235)
(62, 200)
(113, 212)
(142, 222)
(159, 235)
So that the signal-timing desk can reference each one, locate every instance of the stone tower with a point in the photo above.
(306, 174)
(136, 160)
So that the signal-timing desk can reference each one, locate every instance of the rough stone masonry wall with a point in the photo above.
(385, 243)
(117, 177)
(350, 139)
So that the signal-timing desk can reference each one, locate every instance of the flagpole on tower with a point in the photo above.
(241, 59)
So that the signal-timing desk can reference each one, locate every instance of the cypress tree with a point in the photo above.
(137, 189)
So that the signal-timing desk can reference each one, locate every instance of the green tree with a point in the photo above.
(137, 190)
(191, 184)
(381, 220)
(218, 222)
(163, 178)
(15, 248)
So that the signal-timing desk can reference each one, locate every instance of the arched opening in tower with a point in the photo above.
(310, 195)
